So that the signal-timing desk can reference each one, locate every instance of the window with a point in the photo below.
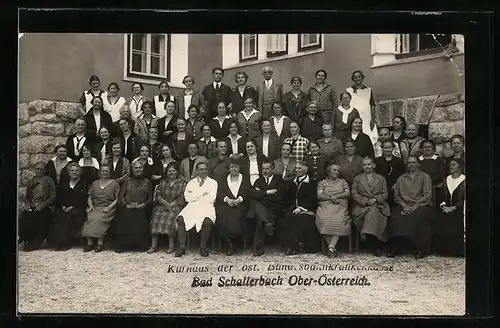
(248, 47)
(277, 45)
(148, 56)
(309, 41)
(408, 45)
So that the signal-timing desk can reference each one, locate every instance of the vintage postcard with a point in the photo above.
(251, 174)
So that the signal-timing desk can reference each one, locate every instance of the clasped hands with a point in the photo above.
(233, 202)
(130, 205)
(408, 209)
(299, 210)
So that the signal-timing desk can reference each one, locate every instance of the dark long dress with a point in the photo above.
(130, 228)
(448, 228)
(300, 229)
(89, 174)
(391, 170)
(435, 167)
(316, 167)
(416, 227)
(364, 145)
(230, 220)
(66, 225)
(34, 225)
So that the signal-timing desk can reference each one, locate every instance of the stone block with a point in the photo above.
(70, 128)
(412, 109)
(426, 108)
(447, 100)
(42, 106)
(439, 115)
(26, 176)
(24, 130)
(23, 113)
(456, 112)
(49, 118)
(446, 150)
(36, 158)
(462, 97)
(383, 114)
(24, 161)
(36, 144)
(48, 129)
(67, 111)
(60, 140)
(399, 107)
(442, 132)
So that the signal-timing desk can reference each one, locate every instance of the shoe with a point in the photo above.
(204, 252)
(88, 248)
(170, 250)
(330, 252)
(64, 248)
(119, 250)
(151, 250)
(258, 252)
(98, 249)
(363, 238)
(230, 249)
(379, 252)
(180, 252)
(392, 253)
(289, 251)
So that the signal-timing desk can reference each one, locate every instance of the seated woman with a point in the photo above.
(34, 222)
(168, 203)
(251, 163)
(57, 167)
(220, 124)
(412, 213)
(102, 203)
(102, 148)
(351, 164)
(89, 167)
(166, 159)
(154, 144)
(364, 146)
(411, 144)
(448, 228)
(119, 165)
(70, 208)
(207, 144)
(235, 142)
(371, 211)
(231, 207)
(218, 166)
(285, 164)
(130, 228)
(299, 229)
(433, 165)
(151, 168)
(180, 140)
(390, 167)
(146, 121)
(316, 162)
(332, 216)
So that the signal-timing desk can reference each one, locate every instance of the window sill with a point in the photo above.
(272, 59)
(418, 59)
(147, 81)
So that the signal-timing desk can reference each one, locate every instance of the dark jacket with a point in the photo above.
(172, 126)
(106, 121)
(245, 163)
(271, 201)
(133, 146)
(213, 97)
(273, 146)
(70, 146)
(238, 102)
(220, 132)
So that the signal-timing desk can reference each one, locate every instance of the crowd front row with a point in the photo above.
(130, 204)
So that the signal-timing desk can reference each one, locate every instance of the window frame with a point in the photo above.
(270, 54)
(144, 75)
(304, 48)
(409, 54)
(240, 47)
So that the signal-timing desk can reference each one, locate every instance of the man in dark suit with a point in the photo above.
(268, 191)
(97, 118)
(269, 92)
(215, 93)
(268, 143)
(129, 141)
(76, 141)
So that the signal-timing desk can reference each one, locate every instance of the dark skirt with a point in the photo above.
(448, 234)
(230, 221)
(65, 226)
(130, 228)
(34, 226)
(415, 227)
(301, 230)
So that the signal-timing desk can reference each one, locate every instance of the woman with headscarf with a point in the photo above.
(34, 222)
(102, 203)
(70, 208)
(130, 229)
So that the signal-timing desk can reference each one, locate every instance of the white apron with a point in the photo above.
(361, 101)
(113, 109)
(160, 106)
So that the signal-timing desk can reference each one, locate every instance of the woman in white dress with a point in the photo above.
(160, 99)
(113, 102)
(363, 101)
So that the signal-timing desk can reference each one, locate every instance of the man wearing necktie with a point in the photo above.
(267, 191)
(215, 93)
(269, 92)
(76, 141)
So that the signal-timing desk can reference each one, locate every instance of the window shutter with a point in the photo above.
(397, 44)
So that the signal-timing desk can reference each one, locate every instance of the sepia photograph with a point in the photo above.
(242, 174)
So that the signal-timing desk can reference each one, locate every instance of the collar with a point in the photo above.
(269, 177)
(160, 97)
(458, 180)
(281, 118)
(348, 110)
(89, 92)
(214, 84)
(240, 178)
(67, 159)
(325, 85)
(354, 87)
(306, 179)
(212, 139)
(251, 113)
(142, 116)
(95, 163)
(127, 135)
(238, 137)
(217, 117)
(199, 179)
(149, 160)
(270, 81)
(418, 172)
(433, 157)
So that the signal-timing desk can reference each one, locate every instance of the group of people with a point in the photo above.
(300, 167)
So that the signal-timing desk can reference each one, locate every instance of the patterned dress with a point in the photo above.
(163, 219)
(326, 97)
(333, 218)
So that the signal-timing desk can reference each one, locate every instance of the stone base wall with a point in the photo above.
(445, 115)
(43, 125)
